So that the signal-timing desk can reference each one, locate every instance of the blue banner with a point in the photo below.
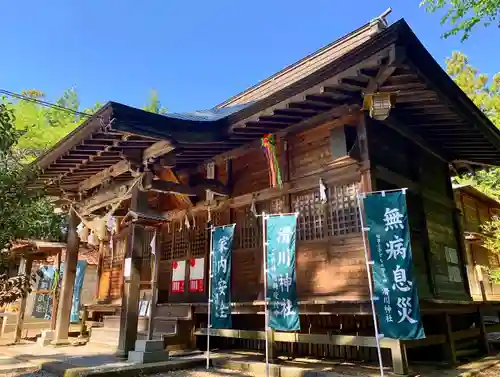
(220, 300)
(281, 273)
(42, 307)
(77, 290)
(397, 303)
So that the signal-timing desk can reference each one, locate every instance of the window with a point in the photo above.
(342, 210)
(247, 234)
(179, 241)
(338, 216)
(311, 223)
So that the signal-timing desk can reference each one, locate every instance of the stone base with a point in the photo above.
(148, 351)
(60, 343)
(47, 338)
(147, 357)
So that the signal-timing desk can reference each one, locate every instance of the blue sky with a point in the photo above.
(194, 53)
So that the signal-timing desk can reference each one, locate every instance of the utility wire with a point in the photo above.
(44, 103)
(66, 109)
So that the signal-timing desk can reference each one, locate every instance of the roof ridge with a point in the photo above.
(373, 27)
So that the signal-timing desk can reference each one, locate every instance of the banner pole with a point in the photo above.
(266, 313)
(209, 294)
(370, 286)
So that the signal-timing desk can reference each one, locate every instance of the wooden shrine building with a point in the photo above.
(476, 209)
(370, 111)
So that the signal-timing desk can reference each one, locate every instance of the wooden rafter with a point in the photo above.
(199, 189)
(106, 197)
(158, 149)
(104, 175)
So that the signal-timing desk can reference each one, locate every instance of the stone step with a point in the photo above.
(113, 321)
(468, 352)
(103, 335)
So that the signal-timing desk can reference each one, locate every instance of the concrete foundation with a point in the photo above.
(148, 351)
(47, 338)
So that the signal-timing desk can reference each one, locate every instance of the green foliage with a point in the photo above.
(485, 93)
(27, 130)
(41, 126)
(464, 15)
(23, 213)
(154, 104)
(494, 275)
(492, 231)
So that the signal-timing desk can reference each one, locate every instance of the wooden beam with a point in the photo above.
(393, 122)
(158, 149)
(105, 197)
(396, 57)
(345, 110)
(178, 188)
(113, 171)
(343, 170)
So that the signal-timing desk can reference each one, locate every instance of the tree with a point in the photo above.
(154, 104)
(42, 126)
(28, 128)
(464, 15)
(23, 213)
(485, 93)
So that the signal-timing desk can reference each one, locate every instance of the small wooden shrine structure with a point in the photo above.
(370, 111)
(476, 208)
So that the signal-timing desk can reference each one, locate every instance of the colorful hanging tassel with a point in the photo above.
(269, 146)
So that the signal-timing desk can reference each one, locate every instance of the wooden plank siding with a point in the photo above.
(475, 209)
(397, 162)
(329, 240)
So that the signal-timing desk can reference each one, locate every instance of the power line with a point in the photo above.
(44, 103)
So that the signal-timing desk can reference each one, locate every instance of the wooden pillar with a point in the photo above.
(460, 239)
(83, 325)
(132, 276)
(366, 183)
(99, 268)
(449, 347)
(483, 334)
(154, 284)
(271, 345)
(399, 358)
(55, 294)
(24, 269)
(68, 281)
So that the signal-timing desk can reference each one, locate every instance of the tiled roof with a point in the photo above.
(90, 255)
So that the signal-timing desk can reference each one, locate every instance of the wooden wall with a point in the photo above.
(475, 210)
(329, 249)
(436, 241)
(111, 280)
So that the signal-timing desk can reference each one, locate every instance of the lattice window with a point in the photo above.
(247, 234)
(311, 221)
(119, 248)
(181, 243)
(220, 217)
(166, 242)
(272, 206)
(338, 216)
(198, 237)
(342, 210)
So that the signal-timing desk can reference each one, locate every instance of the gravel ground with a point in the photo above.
(35, 373)
(491, 372)
(179, 373)
(204, 373)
